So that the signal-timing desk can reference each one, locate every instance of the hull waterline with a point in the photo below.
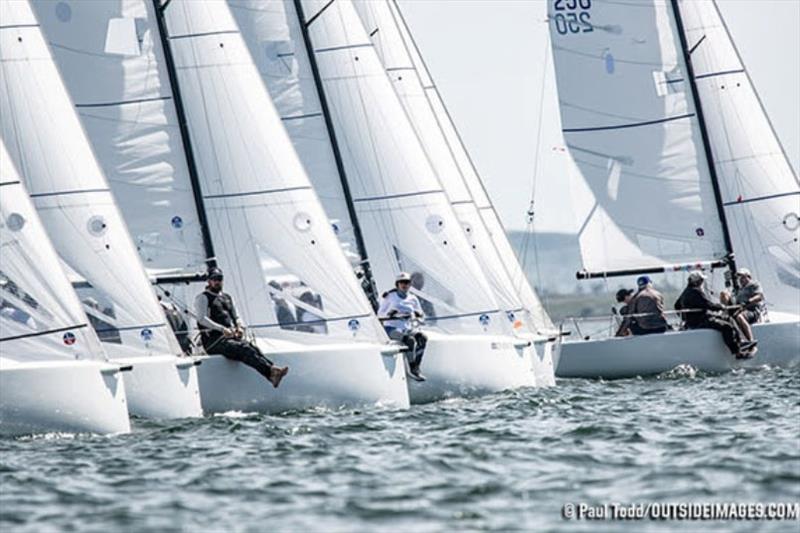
(62, 397)
(471, 365)
(703, 349)
(329, 376)
(161, 386)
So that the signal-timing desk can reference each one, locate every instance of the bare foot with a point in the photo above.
(277, 374)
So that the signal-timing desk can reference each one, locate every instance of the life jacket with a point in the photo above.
(221, 311)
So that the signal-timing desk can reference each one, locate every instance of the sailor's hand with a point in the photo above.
(228, 333)
(392, 313)
(238, 332)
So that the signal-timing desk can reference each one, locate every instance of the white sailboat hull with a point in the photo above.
(61, 397)
(162, 386)
(703, 349)
(330, 376)
(471, 365)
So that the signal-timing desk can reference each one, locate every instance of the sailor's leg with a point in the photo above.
(421, 341)
(730, 335)
(744, 326)
(245, 353)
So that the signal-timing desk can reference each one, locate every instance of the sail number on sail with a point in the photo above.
(576, 16)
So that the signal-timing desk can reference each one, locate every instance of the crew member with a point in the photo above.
(702, 312)
(222, 333)
(399, 311)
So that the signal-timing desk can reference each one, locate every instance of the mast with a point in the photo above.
(211, 259)
(337, 155)
(709, 156)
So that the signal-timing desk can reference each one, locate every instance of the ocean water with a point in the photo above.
(509, 461)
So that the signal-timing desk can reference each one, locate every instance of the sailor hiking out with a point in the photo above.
(401, 312)
(701, 312)
(222, 332)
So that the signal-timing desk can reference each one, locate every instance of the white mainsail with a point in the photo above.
(40, 315)
(630, 125)
(113, 65)
(414, 85)
(52, 154)
(404, 216)
(270, 232)
(760, 190)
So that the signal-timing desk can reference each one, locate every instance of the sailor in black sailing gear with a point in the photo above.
(628, 322)
(400, 310)
(222, 332)
(701, 312)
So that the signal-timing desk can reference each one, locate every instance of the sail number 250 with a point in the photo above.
(577, 20)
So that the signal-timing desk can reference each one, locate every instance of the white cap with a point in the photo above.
(696, 276)
(744, 272)
(403, 276)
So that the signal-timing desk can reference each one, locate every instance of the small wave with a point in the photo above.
(680, 372)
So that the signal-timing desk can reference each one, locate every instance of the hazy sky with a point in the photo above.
(487, 58)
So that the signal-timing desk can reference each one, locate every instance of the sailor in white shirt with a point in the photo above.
(400, 311)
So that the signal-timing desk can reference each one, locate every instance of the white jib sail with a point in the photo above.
(474, 183)
(630, 125)
(404, 215)
(52, 154)
(760, 190)
(416, 91)
(273, 36)
(282, 261)
(40, 315)
(112, 63)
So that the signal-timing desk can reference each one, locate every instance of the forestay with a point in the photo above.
(113, 65)
(40, 316)
(418, 94)
(630, 125)
(402, 210)
(760, 191)
(272, 238)
(52, 154)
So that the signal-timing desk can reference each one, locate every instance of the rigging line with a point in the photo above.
(201, 34)
(257, 193)
(67, 193)
(40, 333)
(298, 117)
(625, 126)
(761, 198)
(531, 234)
(342, 47)
(398, 195)
(125, 102)
(720, 73)
(317, 14)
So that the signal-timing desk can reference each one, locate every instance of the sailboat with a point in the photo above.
(54, 376)
(678, 168)
(52, 154)
(175, 106)
(467, 195)
(377, 183)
